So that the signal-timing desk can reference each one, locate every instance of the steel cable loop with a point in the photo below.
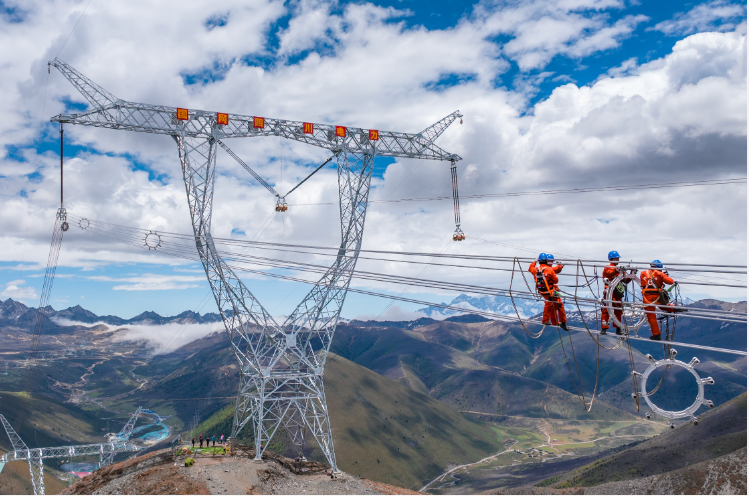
(598, 320)
(598, 348)
(636, 394)
(532, 335)
(589, 406)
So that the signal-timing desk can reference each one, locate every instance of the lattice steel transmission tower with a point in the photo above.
(36, 456)
(281, 380)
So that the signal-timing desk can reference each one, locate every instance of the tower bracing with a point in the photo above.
(36, 456)
(282, 365)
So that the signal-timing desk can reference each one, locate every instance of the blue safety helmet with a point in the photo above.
(542, 257)
(549, 257)
(656, 264)
(613, 254)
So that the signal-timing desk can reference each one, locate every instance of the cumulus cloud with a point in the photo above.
(17, 291)
(152, 282)
(678, 117)
(718, 15)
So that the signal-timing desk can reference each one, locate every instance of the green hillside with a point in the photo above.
(41, 421)
(384, 431)
(499, 393)
(720, 431)
(424, 360)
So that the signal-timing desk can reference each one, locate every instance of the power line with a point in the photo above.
(673, 266)
(697, 313)
(684, 184)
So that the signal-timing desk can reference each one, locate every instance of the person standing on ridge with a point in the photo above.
(201, 440)
(546, 285)
(193, 442)
(214, 440)
(652, 282)
(609, 274)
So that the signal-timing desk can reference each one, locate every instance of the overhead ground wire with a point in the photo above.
(509, 194)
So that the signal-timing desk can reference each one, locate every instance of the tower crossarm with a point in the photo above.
(69, 451)
(435, 130)
(107, 111)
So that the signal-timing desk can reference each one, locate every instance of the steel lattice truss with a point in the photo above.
(282, 366)
(36, 456)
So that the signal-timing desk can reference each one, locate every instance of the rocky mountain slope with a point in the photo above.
(719, 432)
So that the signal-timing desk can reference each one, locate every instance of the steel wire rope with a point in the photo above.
(428, 283)
(494, 316)
(595, 340)
(205, 299)
(338, 353)
(266, 245)
(588, 407)
(494, 290)
(491, 291)
(529, 333)
(231, 254)
(511, 194)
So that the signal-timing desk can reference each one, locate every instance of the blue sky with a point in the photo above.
(662, 78)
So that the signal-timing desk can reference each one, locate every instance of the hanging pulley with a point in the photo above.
(281, 205)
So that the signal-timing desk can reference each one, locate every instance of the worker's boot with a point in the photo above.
(657, 337)
(603, 332)
(619, 331)
(563, 325)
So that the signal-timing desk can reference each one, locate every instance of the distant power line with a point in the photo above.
(684, 184)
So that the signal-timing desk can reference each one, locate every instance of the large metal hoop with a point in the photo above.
(672, 362)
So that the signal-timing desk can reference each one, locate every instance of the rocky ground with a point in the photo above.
(159, 473)
(722, 475)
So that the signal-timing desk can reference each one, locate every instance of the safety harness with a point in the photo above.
(542, 285)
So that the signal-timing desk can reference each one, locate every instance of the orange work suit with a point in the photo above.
(652, 282)
(553, 308)
(611, 273)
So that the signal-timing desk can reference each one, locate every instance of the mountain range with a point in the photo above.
(407, 399)
(501, 305)
(16, 313)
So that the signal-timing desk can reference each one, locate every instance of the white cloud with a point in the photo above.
(708, 16)
(679, 117)
(17, 291)
(152, 282)
(160, 338)
(168, 337)
(541, 29)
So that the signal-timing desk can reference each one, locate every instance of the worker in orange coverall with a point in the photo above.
(609, 274)
(546, 285)
(652, 282)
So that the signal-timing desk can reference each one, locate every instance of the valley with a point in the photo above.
(448, 407)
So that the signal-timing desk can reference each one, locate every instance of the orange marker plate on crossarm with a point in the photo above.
(183, 114)
(222, 119)
(374, 135)
(340, 131)
(258, 122)
(308, 128)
